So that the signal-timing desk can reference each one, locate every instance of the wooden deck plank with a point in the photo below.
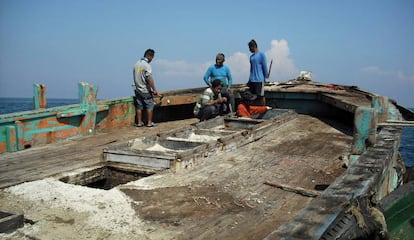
(40, 162)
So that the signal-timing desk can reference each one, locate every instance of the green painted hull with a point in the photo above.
(399, 212)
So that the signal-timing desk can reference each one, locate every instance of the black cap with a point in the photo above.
(247, 95)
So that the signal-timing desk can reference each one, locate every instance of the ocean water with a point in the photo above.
(407, 146)
(9, 105)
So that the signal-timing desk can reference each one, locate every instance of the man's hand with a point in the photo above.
(221, 100)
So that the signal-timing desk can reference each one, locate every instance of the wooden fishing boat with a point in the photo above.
(315, 167)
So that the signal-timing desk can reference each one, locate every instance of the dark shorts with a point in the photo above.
(256, 88)
(142, 103)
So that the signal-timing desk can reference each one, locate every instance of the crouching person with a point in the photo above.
(246, 109)
(211, 102)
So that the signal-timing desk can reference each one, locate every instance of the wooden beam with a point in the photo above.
(10, 222)
(397, 123)
(176, 100)
(298, 190)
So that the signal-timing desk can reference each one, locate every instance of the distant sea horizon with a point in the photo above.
(11, 105)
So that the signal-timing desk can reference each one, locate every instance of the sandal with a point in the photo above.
(139, 124)
(151, 124)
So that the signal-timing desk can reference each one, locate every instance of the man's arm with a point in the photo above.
(207, 77)
(151, 83)
(264, 66)
(229, 77)
(207, 99)
(258, 109)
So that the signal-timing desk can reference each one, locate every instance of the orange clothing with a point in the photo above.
(247, 111)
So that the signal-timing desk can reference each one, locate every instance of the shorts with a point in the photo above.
(256, 88)
(143, 103)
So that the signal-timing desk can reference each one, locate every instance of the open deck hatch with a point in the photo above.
(105, 176)
(182, 148)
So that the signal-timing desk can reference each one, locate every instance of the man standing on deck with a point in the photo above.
(258, 71)
(221, 72)
(144, 88)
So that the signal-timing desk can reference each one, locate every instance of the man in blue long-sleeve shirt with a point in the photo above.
(222, 72)
(258, 71)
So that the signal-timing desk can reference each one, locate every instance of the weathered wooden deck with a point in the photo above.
(222, 197)
(225, 196)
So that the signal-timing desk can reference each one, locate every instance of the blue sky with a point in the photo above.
(61, 43)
